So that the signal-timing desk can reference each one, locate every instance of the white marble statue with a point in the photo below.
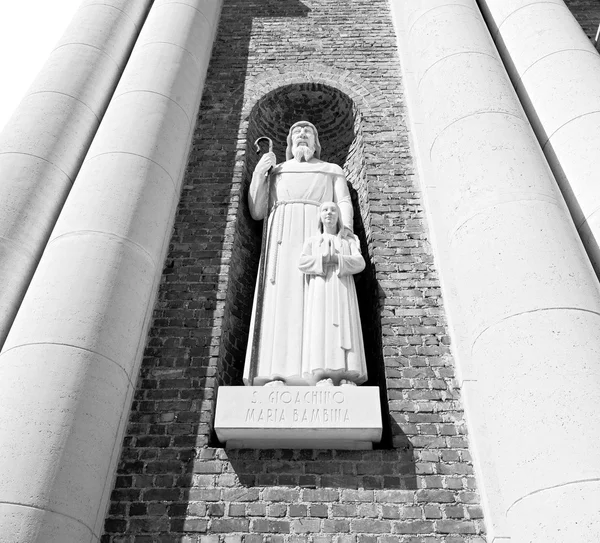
(332, 344)
(298, 187)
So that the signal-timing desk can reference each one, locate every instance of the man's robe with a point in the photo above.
(297, 189)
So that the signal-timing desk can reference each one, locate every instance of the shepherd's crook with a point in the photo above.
(256, 336)
(257, 147)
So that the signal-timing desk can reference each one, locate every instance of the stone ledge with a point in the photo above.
(298, 417)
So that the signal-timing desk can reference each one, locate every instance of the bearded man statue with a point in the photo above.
(292, 191)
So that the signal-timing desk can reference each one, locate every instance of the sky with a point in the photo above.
(29, 29)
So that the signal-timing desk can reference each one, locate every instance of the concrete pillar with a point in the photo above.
(69, 365)
(45, 141)
(521, 295)
(556, 71)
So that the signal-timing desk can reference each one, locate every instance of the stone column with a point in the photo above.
(556, 71)
(521, 295)
(45, 141)
(70, 363)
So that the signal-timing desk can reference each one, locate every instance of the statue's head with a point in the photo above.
(330, 211)
(303, 142)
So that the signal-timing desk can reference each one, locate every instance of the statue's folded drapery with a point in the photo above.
(332, 345)
(297, 191)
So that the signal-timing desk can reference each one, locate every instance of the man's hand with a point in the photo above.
(266, 162)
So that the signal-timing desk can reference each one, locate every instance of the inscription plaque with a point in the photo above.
(298, 417)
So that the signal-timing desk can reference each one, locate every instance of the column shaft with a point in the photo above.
(521, 295)
(69, 365)
(556, 71)
(45, 141)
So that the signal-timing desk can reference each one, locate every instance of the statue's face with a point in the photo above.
(303, 135)
(329, 215)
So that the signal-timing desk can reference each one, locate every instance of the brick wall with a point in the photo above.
(335, 63)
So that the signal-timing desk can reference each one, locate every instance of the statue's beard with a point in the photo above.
(303, 153)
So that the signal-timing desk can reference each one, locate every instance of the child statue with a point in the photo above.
(332, 346)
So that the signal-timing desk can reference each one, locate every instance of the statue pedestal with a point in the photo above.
(297, 417)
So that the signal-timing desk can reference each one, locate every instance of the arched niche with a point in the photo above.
(340, 125)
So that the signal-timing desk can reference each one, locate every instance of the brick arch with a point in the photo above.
(365, 95)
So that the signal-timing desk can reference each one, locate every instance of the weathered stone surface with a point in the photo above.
(494, 234)
(45, 141)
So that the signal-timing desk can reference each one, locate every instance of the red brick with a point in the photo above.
(306, 525)
(229, 525)
(270, 526)
(455, 527)
(370, 526)
(336, 526)
(414, 527)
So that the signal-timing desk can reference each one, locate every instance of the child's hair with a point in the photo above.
(340, 223)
